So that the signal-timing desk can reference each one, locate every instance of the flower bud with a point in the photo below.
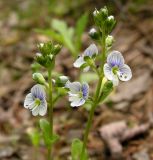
(109, 41)
(61, 81)
(94, 34)
(40, 59)
(104, 13)
(45, 48)
(38, 77)
(100, 16)
(110, 23)
(57, 49)
(96, 15)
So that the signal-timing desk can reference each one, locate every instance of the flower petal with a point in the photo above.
(38, 91)
(125, 73)
(91, 50)
(43, 108)
(35, 111)
(115, 80)
(85, 90)
(86, 69)
(79, 62)
(28, 100)
(73, 97)
(115, 58)
(74, 87)
(108, 71)
(77, 103)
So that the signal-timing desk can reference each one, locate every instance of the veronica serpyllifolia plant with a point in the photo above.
(41, 99)
(111, 68)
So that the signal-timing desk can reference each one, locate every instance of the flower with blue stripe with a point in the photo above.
(115, 69)
(78, 93)
(36, 101)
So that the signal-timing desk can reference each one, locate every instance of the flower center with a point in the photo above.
(115, 69)
(37, 102)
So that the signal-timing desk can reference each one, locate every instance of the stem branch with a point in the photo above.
(91, 115)
(50, 117)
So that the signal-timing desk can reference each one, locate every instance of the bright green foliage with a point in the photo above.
(80, 27)
(46, 131)
(68, 36)
(76, 149)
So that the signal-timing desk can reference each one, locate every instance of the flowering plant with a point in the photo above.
(110, 70)
(41, 99)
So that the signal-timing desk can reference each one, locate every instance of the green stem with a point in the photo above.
(91, 115)
(50, 117)
(103, 50)
(96, 98)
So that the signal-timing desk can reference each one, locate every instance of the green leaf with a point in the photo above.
(88, 77)
(66, 33)
(50, 33)
(76, 149)
(46, 130)
(80, 27)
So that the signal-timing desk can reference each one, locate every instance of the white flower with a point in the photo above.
(36, 101)
(78, 93)
(90, 51)
(115, 68)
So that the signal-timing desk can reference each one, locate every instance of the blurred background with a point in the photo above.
(24, 24)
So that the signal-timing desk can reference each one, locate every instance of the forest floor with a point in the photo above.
(131, 102)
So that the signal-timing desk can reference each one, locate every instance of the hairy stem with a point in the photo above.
(91, 115)
(96, 98)
(50, 117)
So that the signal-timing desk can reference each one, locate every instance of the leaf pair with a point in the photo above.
(46, 131)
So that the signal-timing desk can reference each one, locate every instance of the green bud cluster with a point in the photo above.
(103, 21)
(47, 54)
